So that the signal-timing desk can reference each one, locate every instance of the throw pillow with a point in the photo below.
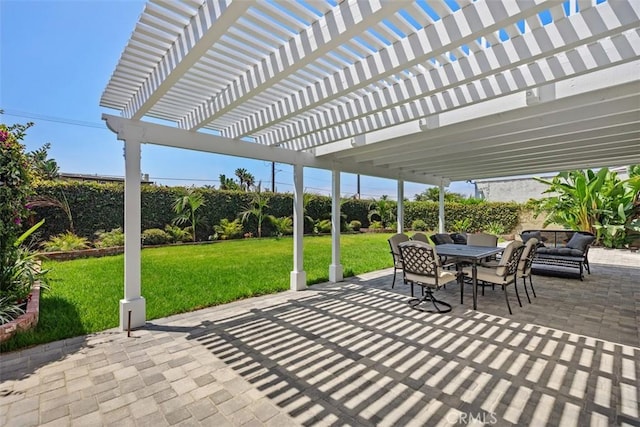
(580, 241)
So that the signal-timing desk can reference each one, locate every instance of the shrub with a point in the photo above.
(355, 225)
(282, 225)
(109, 239)
(375, 225)
(155, 236)
(228, 229)
(419, 225)
(178, 234)
(494, 228)
(323, 226)
(461, 225)
(65, 242)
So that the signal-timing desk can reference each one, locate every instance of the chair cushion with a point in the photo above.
(458, 238)
(559, 251)
(580, 241)
(441, 239)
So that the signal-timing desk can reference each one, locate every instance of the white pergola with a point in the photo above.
(427, 91)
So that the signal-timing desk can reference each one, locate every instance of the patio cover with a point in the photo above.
(422, 91)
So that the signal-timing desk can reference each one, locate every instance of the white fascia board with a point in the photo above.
(157, 134)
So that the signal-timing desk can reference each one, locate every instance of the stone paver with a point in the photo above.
(354, 353)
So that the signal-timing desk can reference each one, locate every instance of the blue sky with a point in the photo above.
(56, 58)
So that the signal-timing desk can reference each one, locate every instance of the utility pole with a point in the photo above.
(273, 177)
(358, 187)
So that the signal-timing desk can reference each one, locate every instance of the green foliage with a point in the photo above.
(478, 216)
(256, 208)
(494, 228)
(109, 239)
(229, 229)
(186, 207)
(155, 236)
(65, 242)
(376, 225)
(419, 225)
(43, 168)
(283, 225)
(460, 225)
(323, 226)
(355, 225)
(177, 234)
(383, 210)
(599, 202)
(433, 194)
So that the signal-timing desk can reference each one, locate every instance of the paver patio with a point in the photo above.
(354, 353)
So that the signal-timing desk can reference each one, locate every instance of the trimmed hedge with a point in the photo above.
(97, 206)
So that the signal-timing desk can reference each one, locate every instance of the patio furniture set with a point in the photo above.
(472, 259)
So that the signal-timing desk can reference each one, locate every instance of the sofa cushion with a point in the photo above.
(441, 239)
(580, 241)
(542, 252)
(531, 234)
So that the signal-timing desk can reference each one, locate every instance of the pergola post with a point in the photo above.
(441, 209)
(400, 206)
(133, 301)
(298, 279)
(335, 269)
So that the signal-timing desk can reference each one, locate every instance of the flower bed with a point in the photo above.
(26, 321)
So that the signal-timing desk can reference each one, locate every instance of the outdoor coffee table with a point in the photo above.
(470, 254)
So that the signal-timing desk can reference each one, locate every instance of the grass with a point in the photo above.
(84, 293)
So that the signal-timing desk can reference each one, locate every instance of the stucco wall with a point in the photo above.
(512, 190)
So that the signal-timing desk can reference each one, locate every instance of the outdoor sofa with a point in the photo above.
(560, 252)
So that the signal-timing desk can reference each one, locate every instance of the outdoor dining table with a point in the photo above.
(470, 254)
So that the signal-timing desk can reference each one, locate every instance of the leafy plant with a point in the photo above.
(109, 239)
(382, 210)
(177, 234)
(228, 229)
(323, 226)
(256, 208)
(461, 225)
(186, 207)
(155, 236)
(419, 225)
(65, 242)
(495, 228)
(282, 225)
(355, 225)
(375, 225)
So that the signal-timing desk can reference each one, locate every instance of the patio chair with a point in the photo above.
(420, 237)
(482, 239)
(421, 266)
(394, 241)
(505, 273)
(524, 266)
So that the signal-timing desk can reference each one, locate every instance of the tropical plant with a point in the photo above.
(246, 179)
(257, 208)
(382, 210)
(109, 239)
(177, 234)
(65, 242)
(375, 225)
(433, 194)
(155, 236)
(54, 202)
(323, 226)
(228, 229)
(599, 202)
(227, 183)
(494, 228)
(43, 168)
(19, 271)
(186, 207)
(283, 225)
(461, 225)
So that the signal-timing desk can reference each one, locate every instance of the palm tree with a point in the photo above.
(384, 209)
(256, 207)
(227, 183)
(186, 206)
(246, 179)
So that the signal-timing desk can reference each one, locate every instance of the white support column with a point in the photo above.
(441, 209)
(133, 302)
(298, 279)
(400, 206)
(335, 269)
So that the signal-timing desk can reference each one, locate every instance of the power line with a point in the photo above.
(28, 115)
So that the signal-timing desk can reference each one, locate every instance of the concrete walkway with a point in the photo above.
(354, 353)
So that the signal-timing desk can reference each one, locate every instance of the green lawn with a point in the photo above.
(84, 294)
